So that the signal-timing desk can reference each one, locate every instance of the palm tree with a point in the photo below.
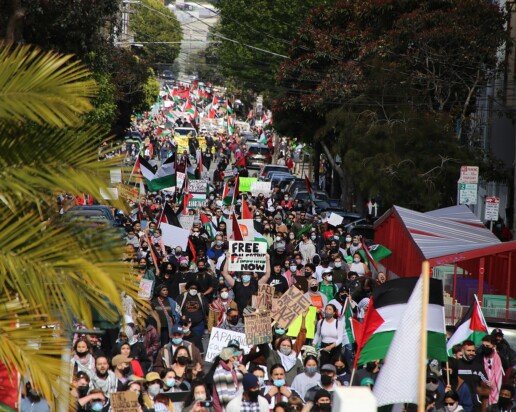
(50, 272)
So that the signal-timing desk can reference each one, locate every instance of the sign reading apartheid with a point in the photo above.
(220, 338)
(292, 304)
(247, 256)
(258, 328)
(125, 402)
(265, 295)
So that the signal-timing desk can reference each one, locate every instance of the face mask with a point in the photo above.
(170, 382)
(356, 260)
(504, 403)
(224, 295)
(178, 252)
(261, 382)
(200, 397)
(186, 330)
(487, 351)
(126, 371)
(82, 391)
(233, 320)
(82, 354)
(286, 351)
(292, 236)
(253, 395)
(219, 242)
(432, 387)
(278, 238)
(308, 273)
(97, 406)
(182, 360)
(341, 371)
(279, 382)
(451, 408)
(192, 292)
(313, 288)
(348, 239)
(154, 389)
(338, 264)
(326, 380)
(177, 341)
(246, 278)
(328, 315)
(279, 331)
(293, 268)
(311, 370)
(313, 237)
(329, 278)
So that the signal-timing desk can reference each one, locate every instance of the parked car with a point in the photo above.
(167, 75)
(274, 174)
(281, 179)
(100, 215)
(294, 185)
(268, 167)
(257, 156)
(304, 195)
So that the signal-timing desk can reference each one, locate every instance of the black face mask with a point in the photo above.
(326, 380)
(82, 391)
(314, 288)
(341, 371)
(183, 360)
(370, 366)
(487, 351)
(504, 403)
(325, 407)
(308, 274)
(233, 320)
(126, 371)
(253, 395)
(82, 354)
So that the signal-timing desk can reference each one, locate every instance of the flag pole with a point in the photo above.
(421, 407)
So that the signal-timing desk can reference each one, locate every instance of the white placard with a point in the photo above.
(335, 219)
(186, 221)
(219, 340)
(468, 174)
(145, 288)
(247, 256)
(261, 187)
(467, 194)
(174, 236)
(492, 208)
(115, 175)
(109, 193)
(198, 186)
(180, 179)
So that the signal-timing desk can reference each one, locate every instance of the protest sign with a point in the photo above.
(261, 187)
(125, 402)
(115, 175)
(247, 256)
(310, 321)
(182, 143)
(246, 228)
(258, 328)
(128, 193)
(220, 338)
(180, 179)
(109, 193)
(197, 186)
(292, 304)
(244, 183)
(174, 236)
(145, 288)
(186, 221)
(335, 219)
(265, 295)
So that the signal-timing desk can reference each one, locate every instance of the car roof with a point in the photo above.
(259, 146)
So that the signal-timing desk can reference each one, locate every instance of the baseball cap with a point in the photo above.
(367, 381)
(250, 381)
(234, 343)
(152, 376)
(329, 367)
(497, 331)
(227, 353)
(176, 329)
(118, 359)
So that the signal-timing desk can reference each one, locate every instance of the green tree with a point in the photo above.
(153, 22)
(50, 272)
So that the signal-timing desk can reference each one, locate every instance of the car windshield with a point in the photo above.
(259, 150)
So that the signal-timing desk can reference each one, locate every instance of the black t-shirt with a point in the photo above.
(193, 307)
(279, 282)
(180, 277)
(243, 293)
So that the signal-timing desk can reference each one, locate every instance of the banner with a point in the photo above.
(247, 256)
(258, 328)
(335, 219)
(265, 296)
(261, 187)
(220, 338)
(244, 183)
(180, 179)
(125, 402)
(292, 304)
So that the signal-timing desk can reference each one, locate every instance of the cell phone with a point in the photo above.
(206, 404)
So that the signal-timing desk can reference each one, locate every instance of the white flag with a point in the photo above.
(398, 379)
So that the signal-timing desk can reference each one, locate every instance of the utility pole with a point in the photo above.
(125, 38)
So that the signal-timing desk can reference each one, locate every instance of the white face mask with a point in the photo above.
(224, 295)
(451, 408)
(329, 278)
(192, 292)
(338, 264)
(200, 397)
(356, 260)
(154, 389)
(278, 238)
(293, 268)
(313, 237)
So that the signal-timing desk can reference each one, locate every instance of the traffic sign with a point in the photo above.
(492, 208)
(468, 174)
(467, 194)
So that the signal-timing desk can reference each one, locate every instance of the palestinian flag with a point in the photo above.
(231, 125)
(229, 109)
(309, 187)
(348, 316)
(472, 327)
(246, 213)
(146, 169)
(386, 307)
(164, 177)
(191, 172)
(237, 233)
(168, 216)
(230, 193)
(208, 225)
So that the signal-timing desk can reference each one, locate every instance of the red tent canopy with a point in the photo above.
(451, 235)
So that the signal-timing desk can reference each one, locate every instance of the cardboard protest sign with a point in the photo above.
(219, 339)
(125, 402)
(247, 256)
(145, 288)
(265, 296)
(292, 304)
(109, 193)
(115, 175)
(310, 320)
(258, 328)
(335, 219)
(261, 187)
(244, 183)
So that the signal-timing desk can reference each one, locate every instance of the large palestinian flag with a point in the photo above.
(161, 178)
(386, 307)
(472, 327)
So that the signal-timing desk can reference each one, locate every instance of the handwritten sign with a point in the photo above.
(265, 296)
(198, 186)
(115, 175)
(125, 402)
(258, 328)
(244, 183)
(220, 338)
(145, 288)
(261, 187)
(310, 321)
(292, 304)
(247, 256)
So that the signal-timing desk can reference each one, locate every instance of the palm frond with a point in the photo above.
(29, 346)
(44, 87)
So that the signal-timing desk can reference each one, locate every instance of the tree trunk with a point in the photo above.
(317, 163)
(340, 172)
(13, 30)
(514, 194)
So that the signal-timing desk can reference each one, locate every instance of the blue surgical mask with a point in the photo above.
(97, 406)
(279, 382)
(177, 341)
(261, 382)
(311, 370)
(279, 331)
(170, 382)
(246, 278)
